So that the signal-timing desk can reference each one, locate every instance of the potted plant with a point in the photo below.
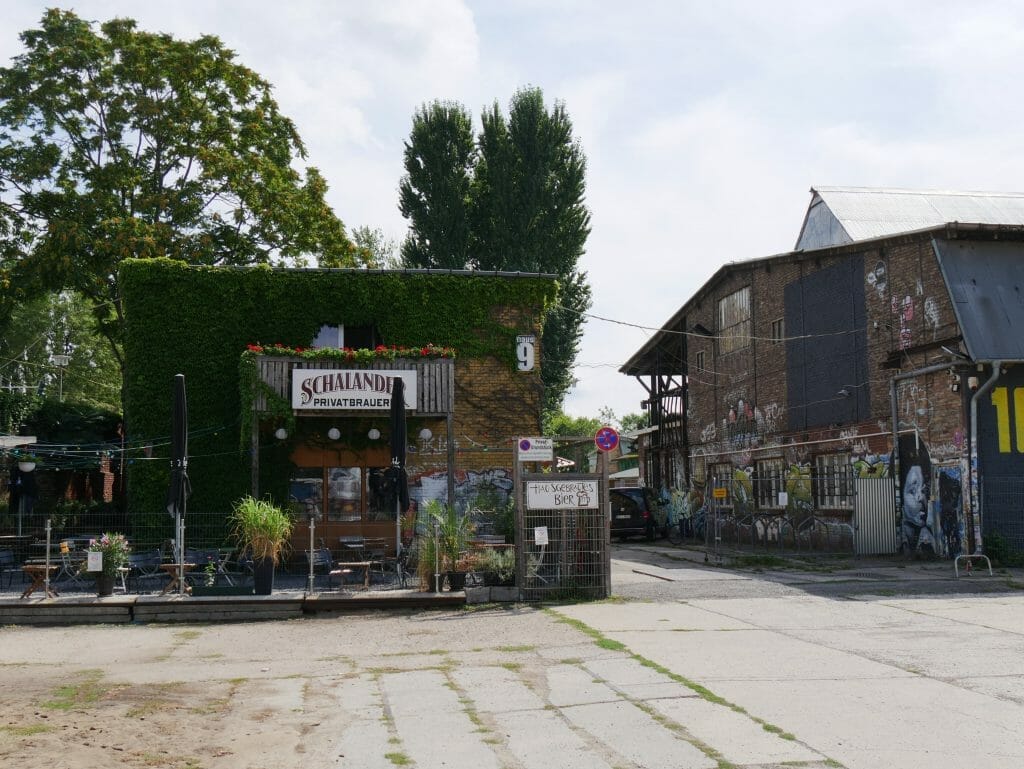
(427, 561)
(453, 531)
(262, 530)
(114, 549)
(498, 566)
(28, 462)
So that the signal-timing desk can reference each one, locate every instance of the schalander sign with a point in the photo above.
(349, 389)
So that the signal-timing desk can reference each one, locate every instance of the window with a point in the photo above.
(720, 475)
(771, 480)
(356, 337)
(734, 321)
(778, 330)
(344, 493)
(699, 362)
(833, 481)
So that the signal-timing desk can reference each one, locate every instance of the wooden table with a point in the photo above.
(39, 573)
(345, 567)
(172, 571)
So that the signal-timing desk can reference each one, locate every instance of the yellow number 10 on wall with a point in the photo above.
(1001, 401)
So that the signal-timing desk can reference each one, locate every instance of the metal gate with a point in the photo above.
(875, 519)
(563, 548)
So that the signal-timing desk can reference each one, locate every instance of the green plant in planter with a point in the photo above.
(498, 566)
(261, 528)
(453, 532)
(426, 551)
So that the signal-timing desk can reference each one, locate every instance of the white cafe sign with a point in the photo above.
(349, 389)
(561, 495)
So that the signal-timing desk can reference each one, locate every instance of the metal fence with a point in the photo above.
(1003, 509)
(563, 554)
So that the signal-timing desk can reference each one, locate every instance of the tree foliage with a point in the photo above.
(434, 193)
(524, 206)
(118, 143)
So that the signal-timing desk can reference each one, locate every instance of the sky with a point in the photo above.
(704, 124)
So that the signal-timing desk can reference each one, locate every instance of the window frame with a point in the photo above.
(734, 321)
(833, 481)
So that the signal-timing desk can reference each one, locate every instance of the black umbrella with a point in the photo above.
(398, 439)
(180, 488)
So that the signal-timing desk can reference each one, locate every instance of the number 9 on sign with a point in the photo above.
(525, 352)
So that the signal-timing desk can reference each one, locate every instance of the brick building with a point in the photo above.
(886, 345)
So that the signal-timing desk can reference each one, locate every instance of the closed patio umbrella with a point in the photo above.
(179, 491)
(398, 440)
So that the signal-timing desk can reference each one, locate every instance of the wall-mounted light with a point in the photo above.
(425, 434)
(334, 433)
(280, 433)
(373, 434)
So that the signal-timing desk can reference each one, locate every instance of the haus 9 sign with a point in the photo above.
(349, 389)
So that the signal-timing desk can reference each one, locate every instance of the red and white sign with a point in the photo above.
(349, 389)
(606, 439)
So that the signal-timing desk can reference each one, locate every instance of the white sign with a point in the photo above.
(349, 389)
(561, 495)
(783, 499)
(94, 561)
(525, 351)
(536, 449)
(540, 535)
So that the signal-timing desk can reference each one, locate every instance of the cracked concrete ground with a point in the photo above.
(762, 678)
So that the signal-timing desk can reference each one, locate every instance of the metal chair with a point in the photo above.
(70, 564)
(322, 563)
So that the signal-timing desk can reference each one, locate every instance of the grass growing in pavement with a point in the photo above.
(607, 643)
(26, 731)
(398, 759)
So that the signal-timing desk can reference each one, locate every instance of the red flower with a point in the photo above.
(424, 351)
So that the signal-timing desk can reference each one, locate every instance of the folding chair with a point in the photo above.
(323, 564)
(69, 565)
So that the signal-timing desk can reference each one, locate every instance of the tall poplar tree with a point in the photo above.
(434, 193)
(526, 210)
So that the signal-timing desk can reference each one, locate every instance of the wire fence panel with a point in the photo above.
(565, 550)
(1003, 509)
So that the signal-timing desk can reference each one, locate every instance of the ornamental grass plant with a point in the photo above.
(261, 527)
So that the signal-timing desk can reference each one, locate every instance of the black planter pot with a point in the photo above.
(263, 576)
(456, 580)
(105, 584)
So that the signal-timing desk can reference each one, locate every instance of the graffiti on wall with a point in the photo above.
(876, 279)
(949, 510)
(491, 487)
(918, 529)
(903, 312)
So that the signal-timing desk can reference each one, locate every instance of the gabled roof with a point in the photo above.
(840, 215)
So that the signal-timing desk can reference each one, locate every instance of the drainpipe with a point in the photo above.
(997, 366)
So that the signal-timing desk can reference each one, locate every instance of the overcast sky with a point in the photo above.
(704, 124)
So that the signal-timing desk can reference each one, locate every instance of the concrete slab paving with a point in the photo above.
(541, 739)
(364, 733)
(570, 685)
(432, 724)
(808, 611)
(910, 723)
(739, 738)
(632, 733)
(1000, 612)
(654, 616)
(497, 689)
(750, 655)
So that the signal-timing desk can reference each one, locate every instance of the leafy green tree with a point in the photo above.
(632, 422)
(558, 423)
(525, 203)
(434, 193)
(58, 324)
(375, 249)
(118, 143)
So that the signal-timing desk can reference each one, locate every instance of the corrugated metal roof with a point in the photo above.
(986, 283)
(867, 212)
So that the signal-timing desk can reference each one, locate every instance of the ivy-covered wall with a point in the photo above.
(197, 321)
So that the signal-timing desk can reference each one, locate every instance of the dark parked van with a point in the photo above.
(636, 513)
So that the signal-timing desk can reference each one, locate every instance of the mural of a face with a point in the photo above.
(914, 497)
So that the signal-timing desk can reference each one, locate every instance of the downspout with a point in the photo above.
(997, 366)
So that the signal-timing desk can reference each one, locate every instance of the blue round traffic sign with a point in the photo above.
(606, 439)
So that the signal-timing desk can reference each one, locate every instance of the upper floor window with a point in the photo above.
(734, 321)
(356, 337)
(699, 362)
(770, 482)
(778, 330)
